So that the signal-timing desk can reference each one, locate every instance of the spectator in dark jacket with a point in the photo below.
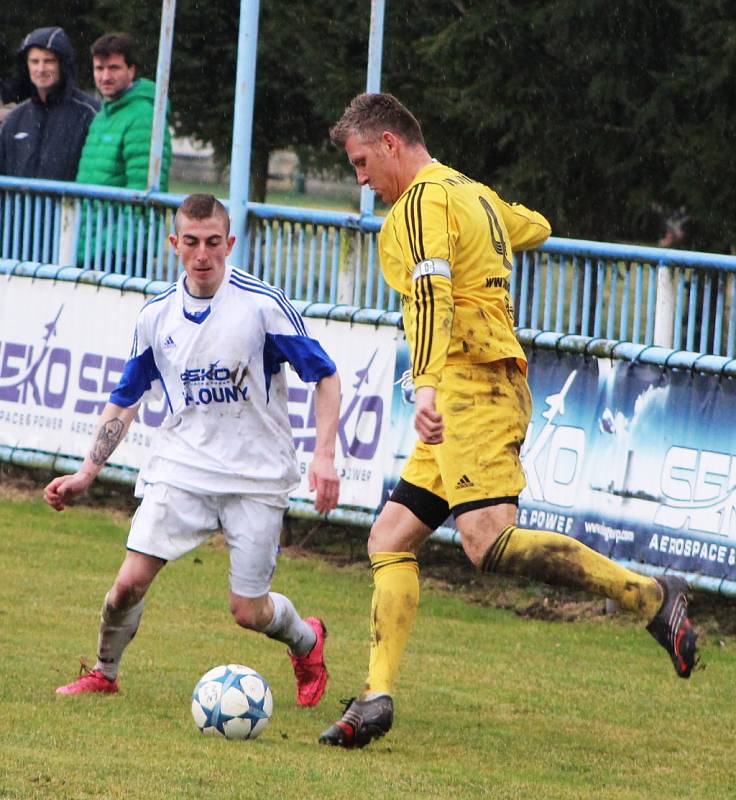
(43, 136)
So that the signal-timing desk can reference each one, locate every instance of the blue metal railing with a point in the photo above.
(644, 295)
(319, 256)
(94, 227)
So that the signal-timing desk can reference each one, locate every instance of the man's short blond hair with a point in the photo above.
(369, 115)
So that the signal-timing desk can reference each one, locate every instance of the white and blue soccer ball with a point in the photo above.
(232, 701)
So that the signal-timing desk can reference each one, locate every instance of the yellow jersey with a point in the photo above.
(446, 246)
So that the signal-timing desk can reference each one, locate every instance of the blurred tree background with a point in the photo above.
(608, 117)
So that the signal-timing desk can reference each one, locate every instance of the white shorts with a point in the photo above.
(171, 522)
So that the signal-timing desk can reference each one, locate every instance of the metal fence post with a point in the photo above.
(373, 81)
(351, 253)
(160, 122)
(664, 311)
(245, 89)
(67, 233)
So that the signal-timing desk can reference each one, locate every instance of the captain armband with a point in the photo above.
(432, 266)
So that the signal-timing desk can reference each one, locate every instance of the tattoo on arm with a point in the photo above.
(107, 440)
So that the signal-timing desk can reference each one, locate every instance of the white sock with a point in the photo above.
(117, 629)
(288, 627)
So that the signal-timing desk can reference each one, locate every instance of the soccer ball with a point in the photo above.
(232, 701)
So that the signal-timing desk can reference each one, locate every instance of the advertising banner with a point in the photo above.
(636, 461)
(633, 460)
(365, 356)
(62, 351)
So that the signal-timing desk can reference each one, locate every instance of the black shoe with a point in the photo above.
(672, 628)
(362, 721)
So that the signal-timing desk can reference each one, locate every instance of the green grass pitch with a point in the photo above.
(488, 704)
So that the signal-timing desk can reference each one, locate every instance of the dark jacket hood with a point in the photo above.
(56, 40)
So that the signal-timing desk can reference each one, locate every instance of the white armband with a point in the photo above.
(432, 266)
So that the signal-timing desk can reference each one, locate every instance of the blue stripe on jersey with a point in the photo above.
(138, 375)
(303, 353)
(166, 293)
(134, 348)
(255, 286)
(249, 284)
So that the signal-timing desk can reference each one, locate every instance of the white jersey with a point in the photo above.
(227, 428)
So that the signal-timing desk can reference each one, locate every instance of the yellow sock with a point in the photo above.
(394, 606)
(562, 560)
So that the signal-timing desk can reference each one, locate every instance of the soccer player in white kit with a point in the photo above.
(214, 343)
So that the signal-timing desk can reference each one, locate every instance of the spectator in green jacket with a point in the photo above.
(118, 145)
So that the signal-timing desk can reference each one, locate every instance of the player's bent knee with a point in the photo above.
(475, 554)
(480, 528)
(397, 535)
(376, 541)
(382, 540)
(244, 617)
(137, 573)
(125, 595)
(250, 614)
(477, 544)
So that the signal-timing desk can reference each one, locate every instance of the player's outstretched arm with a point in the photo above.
(322, 474)
(111, 429)
(528, 229)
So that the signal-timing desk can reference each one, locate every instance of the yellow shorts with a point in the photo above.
(486, 409)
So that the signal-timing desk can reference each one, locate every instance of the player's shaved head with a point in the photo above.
(369, 115)
(202, 206)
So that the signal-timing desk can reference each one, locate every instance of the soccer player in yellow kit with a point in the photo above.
(446, 247)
